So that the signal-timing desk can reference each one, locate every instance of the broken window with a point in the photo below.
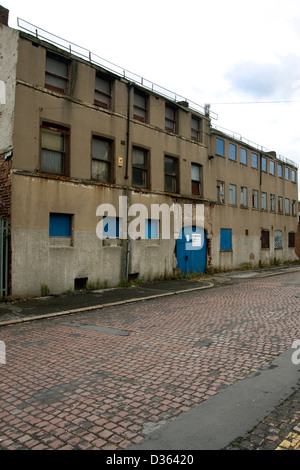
(101, 159)
(254, 199)
(220, 147)
(221, 192)
(55, 144)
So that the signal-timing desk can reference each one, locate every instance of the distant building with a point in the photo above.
(76, 135)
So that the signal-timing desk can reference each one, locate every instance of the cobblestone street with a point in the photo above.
(105, 379)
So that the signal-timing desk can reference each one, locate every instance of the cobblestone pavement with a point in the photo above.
(105, 379)
(278, 431)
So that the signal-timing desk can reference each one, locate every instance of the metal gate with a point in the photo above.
(4, 262)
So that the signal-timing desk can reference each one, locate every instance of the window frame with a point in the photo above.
(219, 192)
(142, 109)
(264, 201)
(65, 153)
(264, 164)
(287, 206)
(196, 131)
(265, 239)
(196, 184)
(272, 203)
(254, 162)
(255, 199)
(244, 196)
(280, 204)
(55, 75)
(272, 168)
(143, 170)
(221, 142)
(108, 162)
(174, 176)
(291, 240)
(243, 156)
(108, 96)
(232, 156)
(232, 190)
(279, 167)
(168, 119)
(278, 239)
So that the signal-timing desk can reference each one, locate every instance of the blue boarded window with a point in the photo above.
(151, 229)
(60, 225)
(220, 147)
(226, 239)
(111, 227)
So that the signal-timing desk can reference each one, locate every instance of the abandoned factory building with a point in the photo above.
(77, 134)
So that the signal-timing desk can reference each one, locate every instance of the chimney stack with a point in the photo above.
(4, 15)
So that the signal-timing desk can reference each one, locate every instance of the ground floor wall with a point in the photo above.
(42, 262)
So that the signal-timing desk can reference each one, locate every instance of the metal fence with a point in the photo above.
(4, 253)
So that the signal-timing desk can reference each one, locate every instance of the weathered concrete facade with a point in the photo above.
(54, 172)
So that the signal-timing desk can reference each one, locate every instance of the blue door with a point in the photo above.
(191, 250)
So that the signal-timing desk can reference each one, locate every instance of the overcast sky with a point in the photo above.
(241, 57)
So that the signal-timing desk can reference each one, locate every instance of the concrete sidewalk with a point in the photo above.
(53, 305)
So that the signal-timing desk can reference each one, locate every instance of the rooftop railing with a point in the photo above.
(86, 54)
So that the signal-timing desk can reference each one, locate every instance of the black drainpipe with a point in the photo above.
(128, 129)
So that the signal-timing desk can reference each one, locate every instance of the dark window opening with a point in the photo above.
(80, 283)
(265, 239)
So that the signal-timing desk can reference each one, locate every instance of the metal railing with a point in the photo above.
(86, 54)
(236, 136)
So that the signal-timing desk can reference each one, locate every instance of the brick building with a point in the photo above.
(76, 135)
